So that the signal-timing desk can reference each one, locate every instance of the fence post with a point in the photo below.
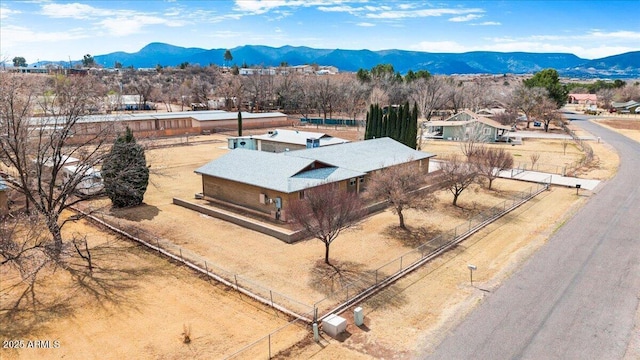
(158, 244)
(181, 258)
(206, 267)
(269, 346)
(236, 278)
(271, 295)
(376, 276)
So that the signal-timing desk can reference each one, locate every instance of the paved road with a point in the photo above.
(576, 298)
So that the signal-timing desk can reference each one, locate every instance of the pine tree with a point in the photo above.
(125, 172)
(239, 123)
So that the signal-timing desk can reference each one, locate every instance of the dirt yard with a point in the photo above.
(139, 308)
(160, 298)
(626, 127)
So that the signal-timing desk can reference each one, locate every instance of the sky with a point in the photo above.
(53, 30)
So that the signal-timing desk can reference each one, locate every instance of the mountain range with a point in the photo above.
(625, 65)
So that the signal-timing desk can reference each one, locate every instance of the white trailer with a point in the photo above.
(91, 182)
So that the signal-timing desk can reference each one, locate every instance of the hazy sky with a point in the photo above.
(56, 30)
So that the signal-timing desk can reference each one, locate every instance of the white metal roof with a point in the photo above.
(299, 137)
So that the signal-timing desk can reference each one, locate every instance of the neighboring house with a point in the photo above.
(280, 140)
(127, 103)
(268, 183)
(225, 121)
(169, 123)
(460, 126)
(583, 99)
(486, 112)
(4, 197)
(258, 71)
(626, 107)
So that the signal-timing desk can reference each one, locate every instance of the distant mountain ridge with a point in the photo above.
(476, 62)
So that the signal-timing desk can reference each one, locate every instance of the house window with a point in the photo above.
(352, 182)
(486, 131)
(301, 195)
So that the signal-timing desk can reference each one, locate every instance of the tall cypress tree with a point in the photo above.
(239, 122)
(125, 172)
(402, 123)
(412, 129)
(368, 133)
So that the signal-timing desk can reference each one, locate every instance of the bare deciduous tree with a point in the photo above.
(325, 212)
(490, 161)
(548, 113)
(429, 94)
(38, 148)
(397, 185)
(534, 157)
(457, 175)
(527, 100)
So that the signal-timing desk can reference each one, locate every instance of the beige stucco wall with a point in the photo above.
(277, 147)
(248, 196)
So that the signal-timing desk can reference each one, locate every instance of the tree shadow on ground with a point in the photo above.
(412, 236)
(135, 213)
(61, 288)
(392, 296)
(344, 279)
(329, 279)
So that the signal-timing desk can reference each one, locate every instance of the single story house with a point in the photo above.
(584, 99)
(280, 140)
(4, 197)
(170, 123)
(224, 120)
(460, 126)
(128, 103)
(626, 107)
(268, 183)
(490, 112)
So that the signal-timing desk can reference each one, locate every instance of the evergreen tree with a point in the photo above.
(550, 80)
(239, 123)
(411, 135)
(402, 123)
(125, 172)
(368, 126)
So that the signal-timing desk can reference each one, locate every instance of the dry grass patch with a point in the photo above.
(627, 127)
(136, 306)
(553, 155)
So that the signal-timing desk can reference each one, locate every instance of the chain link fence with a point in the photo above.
(397, 267)
(304, 314)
